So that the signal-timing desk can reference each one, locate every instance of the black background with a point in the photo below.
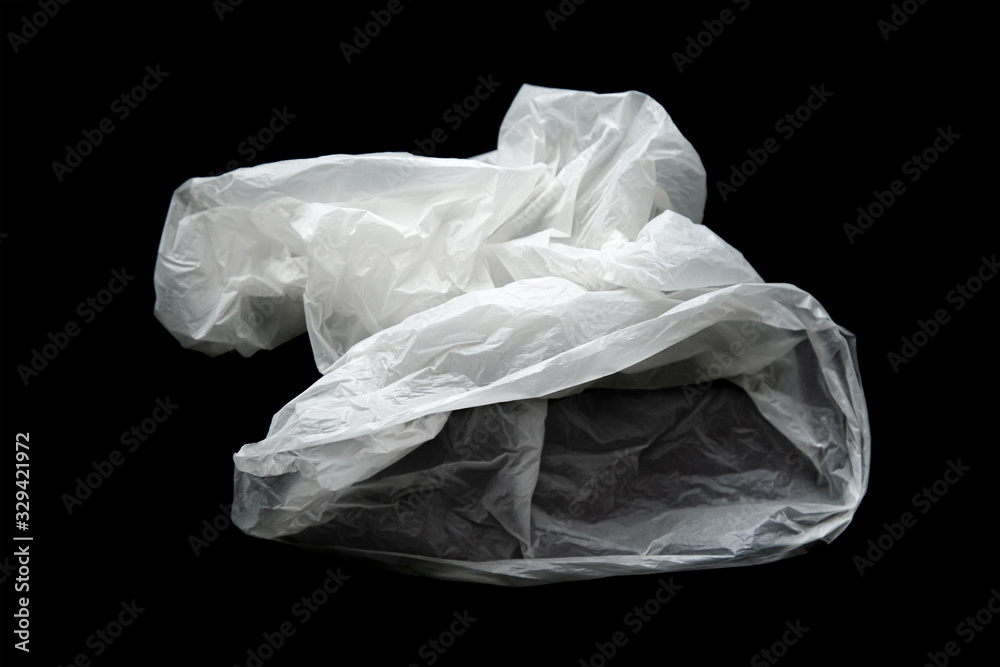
(130, 538)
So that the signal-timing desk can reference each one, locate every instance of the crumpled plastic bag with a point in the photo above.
(537, 365)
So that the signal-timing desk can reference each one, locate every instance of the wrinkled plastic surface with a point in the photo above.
(537, 365)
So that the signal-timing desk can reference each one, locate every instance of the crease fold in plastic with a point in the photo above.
(537, 364)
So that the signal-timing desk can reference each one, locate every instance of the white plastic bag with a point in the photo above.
(537, 365)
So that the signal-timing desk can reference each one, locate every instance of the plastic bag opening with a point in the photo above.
(731, 446)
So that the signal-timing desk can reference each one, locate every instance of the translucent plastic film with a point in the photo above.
(537, 364)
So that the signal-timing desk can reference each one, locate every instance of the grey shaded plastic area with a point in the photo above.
(648, 469)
